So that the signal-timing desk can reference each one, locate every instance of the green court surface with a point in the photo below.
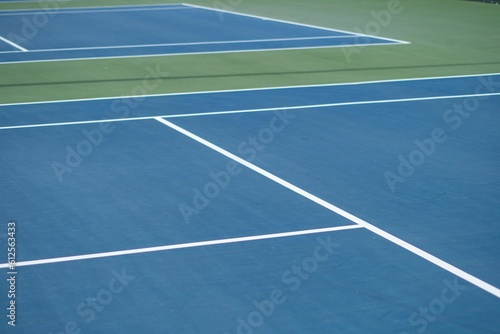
(448, 37)
(314, 191)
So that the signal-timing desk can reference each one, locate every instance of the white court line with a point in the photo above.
(93, 7)
(212, 113)
(191, 43)
(195, 53)
(13, 44)
(182, 246)
(415, 250)
(103, 9)
(294, 23)
(256, 89)
(189, 6)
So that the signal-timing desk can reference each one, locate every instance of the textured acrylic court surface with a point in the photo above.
(333, 141)
(155, 30)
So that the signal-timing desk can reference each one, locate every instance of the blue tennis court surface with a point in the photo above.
(355, 208)
(84, 33)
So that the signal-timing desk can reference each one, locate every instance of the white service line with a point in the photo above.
(417, 251)
(181, 246)
(212, 113)
(13, 44)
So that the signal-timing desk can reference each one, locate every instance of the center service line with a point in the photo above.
(423, 254)
(13, 44)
